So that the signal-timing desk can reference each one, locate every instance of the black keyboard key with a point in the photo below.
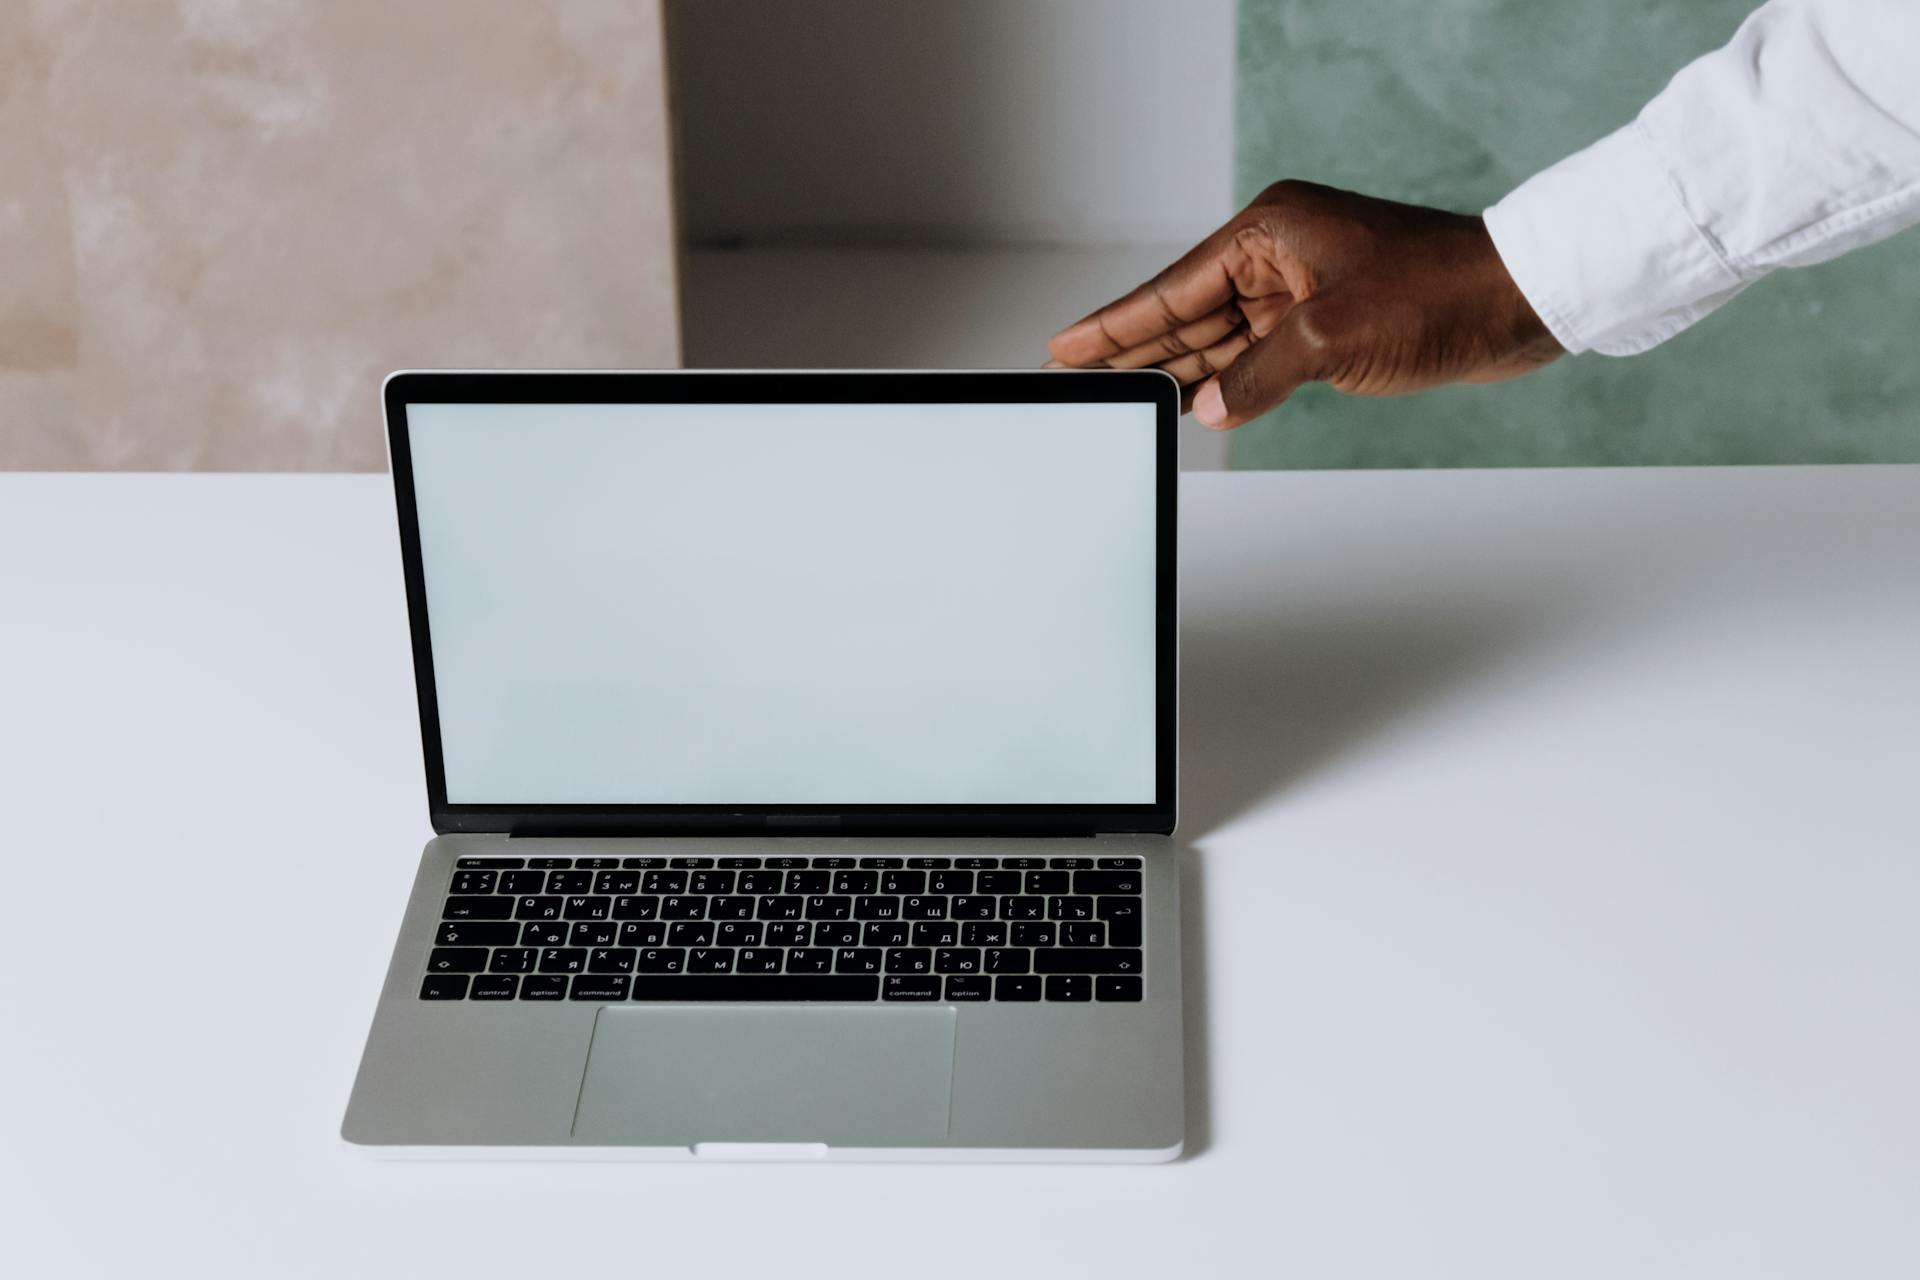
(876, 907)
(1016, 986)
(923, 908)
(1120, 864)
(950, 882)
(683, 908)
(538, 908)
(885, 933)
(565, 882)
(1091, 933)
(444, 986)
(929, 864)
(637, 907)
(1008, 960)
(642, 864)
(600, 986)
(700, 864)
(998, 882)
(782, 908)
(882, 864)
(592, 933)
(829, 907)
(1061, 908)
(710, 960)
(1117, 908)
(743, 986)
(616, 882)
(514, 959)
(810, 960)
(1070, 864)
(596, 864)
(664, 882)
(857, 960)
(1123, 933)
(787, 864)
(549, 864)
(758, 960)
(644, 933)
(836, 933)
(457, 960)
(736, 907)
(544, 933)
(1106, 882)
(738, 933)
(588, 908)
(956, 960)
(856, 881)
(936, 933)
(690, 933)
(1024, 864)
(786, 933)
(491, 864)
(833, 864)
(1069, 987)
(563, 960)
(740, 864)
(536, 986)
(1108, 987)
(1035, 935)
(898, 882)
(661, 960)
(899, 986)
(984, 933)
(494, 986)
(974, 907)
(761, 881)
(477, 933)
(477, 909)
(473, 881)
(1088, 960)
(809, 882)
(909, 960)
(977, 864)
(711, 882)
(522, 882)
(1024, 909)
(1047, 882)
(610, 960)
(968, 987)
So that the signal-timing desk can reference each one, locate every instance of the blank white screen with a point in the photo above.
(790, 604)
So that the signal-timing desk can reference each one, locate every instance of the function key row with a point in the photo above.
(797, 863)
(767, 881)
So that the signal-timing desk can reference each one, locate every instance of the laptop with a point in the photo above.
(800, 755)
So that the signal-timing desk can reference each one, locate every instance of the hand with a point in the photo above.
(1310, 284)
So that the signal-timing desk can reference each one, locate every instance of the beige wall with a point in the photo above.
(223, 221)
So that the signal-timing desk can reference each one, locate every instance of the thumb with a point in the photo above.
(1264, 374)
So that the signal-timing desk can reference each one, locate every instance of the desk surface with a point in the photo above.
(1552, 878)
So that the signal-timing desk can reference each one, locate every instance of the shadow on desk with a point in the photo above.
(1268, 698)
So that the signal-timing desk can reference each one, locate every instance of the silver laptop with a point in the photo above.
(800, 749)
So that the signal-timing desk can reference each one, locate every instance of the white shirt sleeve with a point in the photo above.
(1796, 142)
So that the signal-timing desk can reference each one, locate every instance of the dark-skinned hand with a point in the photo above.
(1312, 284)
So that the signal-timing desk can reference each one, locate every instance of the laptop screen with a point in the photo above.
(817, 604)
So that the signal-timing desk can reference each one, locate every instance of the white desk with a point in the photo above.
(1556, 864)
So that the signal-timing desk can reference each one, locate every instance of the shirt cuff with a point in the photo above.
(1602, 246)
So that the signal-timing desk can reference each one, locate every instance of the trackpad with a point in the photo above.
(678, 1075)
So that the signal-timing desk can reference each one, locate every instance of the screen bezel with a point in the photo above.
(782, 387)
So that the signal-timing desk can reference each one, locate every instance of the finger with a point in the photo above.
(1266, 373)
(1200, 334)
(1198, 365)
(1189, 289)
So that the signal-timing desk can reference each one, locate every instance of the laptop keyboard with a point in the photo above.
(791, 928)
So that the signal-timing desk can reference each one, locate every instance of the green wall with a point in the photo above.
(1454, 102)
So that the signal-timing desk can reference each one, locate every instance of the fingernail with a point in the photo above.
(1054, 364)
(1208, 405)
